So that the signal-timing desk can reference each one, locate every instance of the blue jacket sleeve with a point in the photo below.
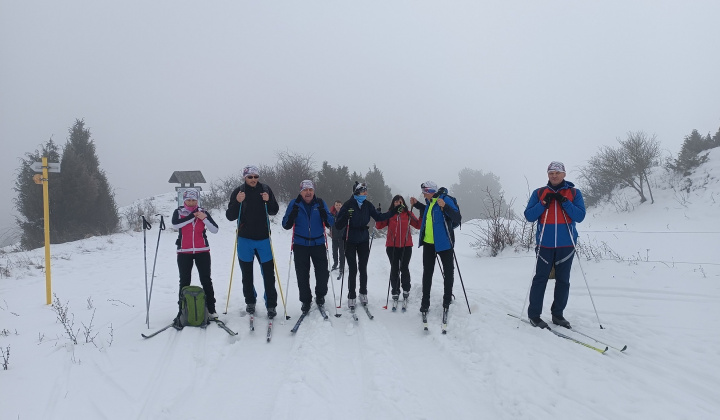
(576, 208)
(534, 209)
(452, 212)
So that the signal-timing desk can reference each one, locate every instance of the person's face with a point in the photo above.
(556, 177)
(363, 193)
(252, 180)
(338, 206)
(190, 202)
(397, 202)
(308, 194)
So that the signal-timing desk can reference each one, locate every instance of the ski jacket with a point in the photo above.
(335, 233)
(443, 236)
(558, 219)
(191, 231)
(309, 229)
(398, 233)
(357, 225)
(253, 222)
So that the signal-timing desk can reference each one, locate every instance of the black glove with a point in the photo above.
(555, 196)
(323, 214)
(350, 212)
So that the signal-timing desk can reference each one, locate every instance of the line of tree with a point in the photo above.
(331, 182)
(81, 200)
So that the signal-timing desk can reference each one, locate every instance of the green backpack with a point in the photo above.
(194, 312)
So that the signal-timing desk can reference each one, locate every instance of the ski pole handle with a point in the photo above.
(146, 224)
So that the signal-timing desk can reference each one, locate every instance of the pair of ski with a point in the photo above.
(268, 335)
(395, 304)
(354, 316)
(574, 340)
(321, 308)
(444, 321)
(215, 320)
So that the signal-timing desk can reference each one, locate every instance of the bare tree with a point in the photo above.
(291, 168)
(627, 165)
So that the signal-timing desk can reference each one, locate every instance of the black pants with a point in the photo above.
(202, 262)
(447, 267)
(318, 255)
(357, 258)
(338, 248)
(399, 261)
(267, 269)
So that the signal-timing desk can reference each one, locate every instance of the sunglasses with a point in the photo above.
(428, 191)
(252, 176)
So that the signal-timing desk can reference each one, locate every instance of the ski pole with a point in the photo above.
(392, 261)
(146, 226)
(452, 247)
(152, 278)
(332, 283)
(581, 269)
(272, 252)
(537, 256)
(232, 266)
(292, 245)
(347, 235)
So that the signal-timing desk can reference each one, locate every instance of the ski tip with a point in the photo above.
(338, 315)
(287, 317)
(385, 307)
(624, 348)
(444, 332)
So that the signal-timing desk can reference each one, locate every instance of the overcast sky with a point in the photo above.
(420, 88)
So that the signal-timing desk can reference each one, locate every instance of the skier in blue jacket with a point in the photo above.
(308, 216)
(556, 207)
(437, 238)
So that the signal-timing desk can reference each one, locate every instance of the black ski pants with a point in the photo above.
(448, 270)
(338, 249)
(318, 255)
(399, 260)
(202, 262)
(357, 255)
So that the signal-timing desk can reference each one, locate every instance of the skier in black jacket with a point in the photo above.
(254, 202)
(352, 220)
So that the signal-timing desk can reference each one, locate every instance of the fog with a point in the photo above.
(419, 88)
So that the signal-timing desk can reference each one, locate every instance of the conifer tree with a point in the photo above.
(29, 199)
(88, 204)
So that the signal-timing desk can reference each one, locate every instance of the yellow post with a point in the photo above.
(46, 211)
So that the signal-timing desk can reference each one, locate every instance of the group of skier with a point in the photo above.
(348, 224)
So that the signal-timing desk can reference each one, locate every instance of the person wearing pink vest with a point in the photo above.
(192, 222)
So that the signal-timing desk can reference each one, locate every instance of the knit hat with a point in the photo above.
(429, 187)
(359, 187)
(191, 194)
(555, 166)
(306, 184)
(250, 170)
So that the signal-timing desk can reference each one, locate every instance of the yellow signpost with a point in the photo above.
(45, 168)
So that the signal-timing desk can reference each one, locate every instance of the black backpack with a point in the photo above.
(444, 191)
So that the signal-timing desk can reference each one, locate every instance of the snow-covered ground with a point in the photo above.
(662, 301)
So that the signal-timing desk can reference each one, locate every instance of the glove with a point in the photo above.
(379, 209)
(323, 215)
(556, 196)
(350, 212)
(399, 209)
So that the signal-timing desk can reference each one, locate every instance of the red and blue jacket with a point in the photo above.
(558, 219)
(191, 236)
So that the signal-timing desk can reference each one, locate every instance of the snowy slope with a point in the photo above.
(663, 303)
